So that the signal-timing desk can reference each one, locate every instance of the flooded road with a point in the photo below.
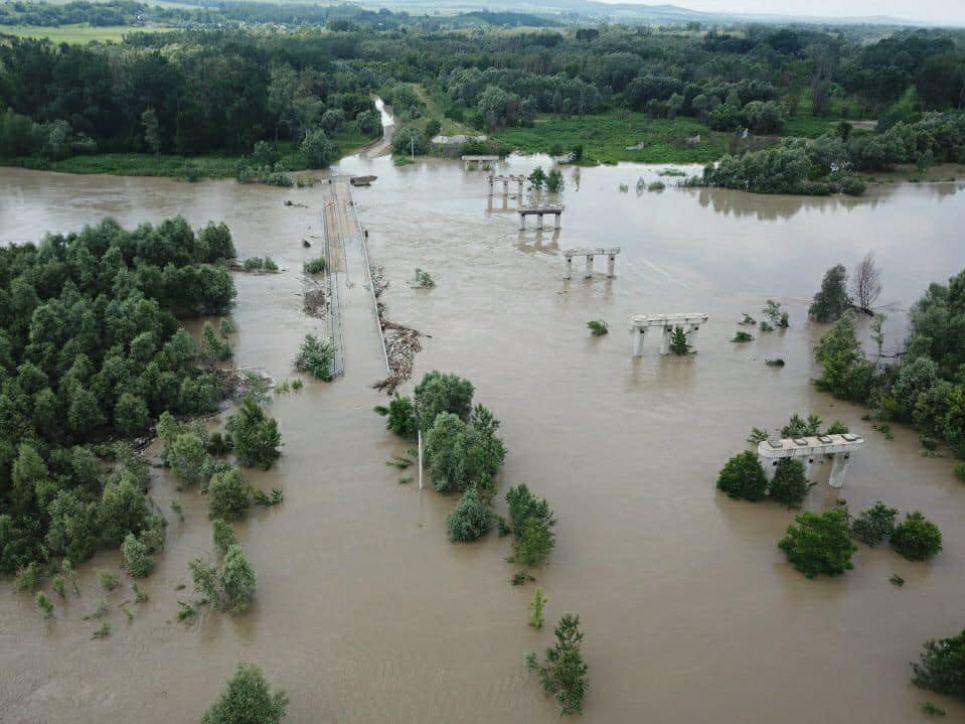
(364, 611)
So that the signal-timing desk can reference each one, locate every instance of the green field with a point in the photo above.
(77, 34)
(605, 138)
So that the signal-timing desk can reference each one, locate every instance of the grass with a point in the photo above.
(79, 34)
(437, 102)
(605, 138)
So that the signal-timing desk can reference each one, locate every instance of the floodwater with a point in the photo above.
(364, 611)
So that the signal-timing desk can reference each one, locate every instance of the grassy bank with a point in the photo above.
(77, 34)
(190, 167)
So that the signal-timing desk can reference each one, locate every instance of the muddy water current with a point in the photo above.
(364, 611)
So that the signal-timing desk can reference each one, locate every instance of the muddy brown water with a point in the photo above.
(365, 613)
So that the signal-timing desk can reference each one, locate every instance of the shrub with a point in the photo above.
(532, 522)
(108, 581)
(224, 536)
(137, 561)
(471, 519)
(438, 393)
(942, 667)
(820, 543)
(554, 181)
(743, 336)
(960, 471)
(536, 607)
(44, 604)
(187, 456)
(766, 327)
(598, 327)
(400, 417)
(853, 186)
(790, 485)
(237, 581)
(742, 477)
(255, 435)
(657, 186)
(315, 266)
(775, 315)
(229, 496)
(247, 698)
(678, 342)
(874, 524)
(563, 671)
(917, 538)
(775, 362)
(315, 358)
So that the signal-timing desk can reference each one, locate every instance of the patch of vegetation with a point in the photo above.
(742, 477)
(247, 697)
(917, 538)
(268, 500)
(103, 631)
(257, 263)
(563, 672)
(820, 543)
(748, 320)
(775, 362)
(137, 559)
(520, 578)
(316, 358)
(790, 485)
(874, 524)
(532, 523)
(741, 337)
(315, 266)
(231, 588)
(941, 667)
(679, 345)
(44, 604)
(471, 519)
(536, 608)
(254, 434)
(109, 581)
(598, 327)
(896, 581)
(229, 495)
(832, 300)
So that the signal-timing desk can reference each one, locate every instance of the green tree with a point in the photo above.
(445, 453)
(122, 510)
(820, 543)
(439, 392)
(917, 538)
(229, 495)
(316, 358)
(874, 524)
(152, 132)
(237, 581)
(255, 435)
(536, 608)
(678, 342)
(471, 519)
(70, 533)
(942, 667)
(532, 523)
(188, 457)
(832, 301)
(247, 699)
(554, 181)
(790, 485)
(131, 414)
(410, 140)
(224, 536)
(742, 477)
(537, 179)
(563, 671)
(137, 560)
(400, 417)
(318, 151)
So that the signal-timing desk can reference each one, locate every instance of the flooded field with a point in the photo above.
(364, 611)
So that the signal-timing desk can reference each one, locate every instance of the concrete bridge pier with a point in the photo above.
(589, 266)
(665, 338)
(611, 262)
(692, 333)
(838, 469)
(520, 180)
(638, 335)
(539, 221)
(568, 270)
(522, 222)
(557, 218)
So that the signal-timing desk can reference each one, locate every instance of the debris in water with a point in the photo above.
(314, 303)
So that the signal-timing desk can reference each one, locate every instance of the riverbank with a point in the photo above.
(192, 168)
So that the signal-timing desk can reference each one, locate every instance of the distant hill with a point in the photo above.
(575, 10)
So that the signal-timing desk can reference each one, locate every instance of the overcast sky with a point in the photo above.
(935, 11)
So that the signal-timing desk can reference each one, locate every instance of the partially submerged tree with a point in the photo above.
(678, 342)
(532, 524)
(255, 435)
(563, 672)
(742, 477)
(229, 495)
(820, 543)
(247, 699)
(315, 357)
(832, 300)
(917, 538)
(471, 519)
(874, 524)
(942, 667)
(790, 485)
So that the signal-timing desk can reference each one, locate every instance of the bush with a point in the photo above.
(563, 672)
(137, 561)
(743, 477)
(318, 151)
(247, 699)
(960, 471)
(790, 485)
(775, 362)
(44, 604)
(315, 358)
(400, 417)
(853, 186)
(237, 581)
(224, 536)
(315, 266)
(820, 543)
(410, 140)
(942, 667)
(874, 524)
(532, 523)
(471, 519)
(598, 327)
(917, 538)
(255, 435)
(743, 336)
(678, 342)
(229, 496)
(438, 393)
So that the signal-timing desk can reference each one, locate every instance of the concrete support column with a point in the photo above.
(556, 221)
(638, 334)
(610, 265)
(492, 182)
(505, 185)
(568, 271)
(692, 336)
(522, 222)
(665, 340)
(589, 266)
(770, 467)
(519, 191)
(838, 469)
(808, 463)
(539, 221)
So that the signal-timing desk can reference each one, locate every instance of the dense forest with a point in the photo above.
(90, 349)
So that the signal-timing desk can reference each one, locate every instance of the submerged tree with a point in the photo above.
(678, 342)
(832, 300)
(247, 699)
(790, 485)
(255, 435)
(942, 667)
(563, 671)
(471, 519)
(866, 284)
(820, 543)
(743, 477)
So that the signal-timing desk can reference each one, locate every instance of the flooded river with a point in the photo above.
(364, 611)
